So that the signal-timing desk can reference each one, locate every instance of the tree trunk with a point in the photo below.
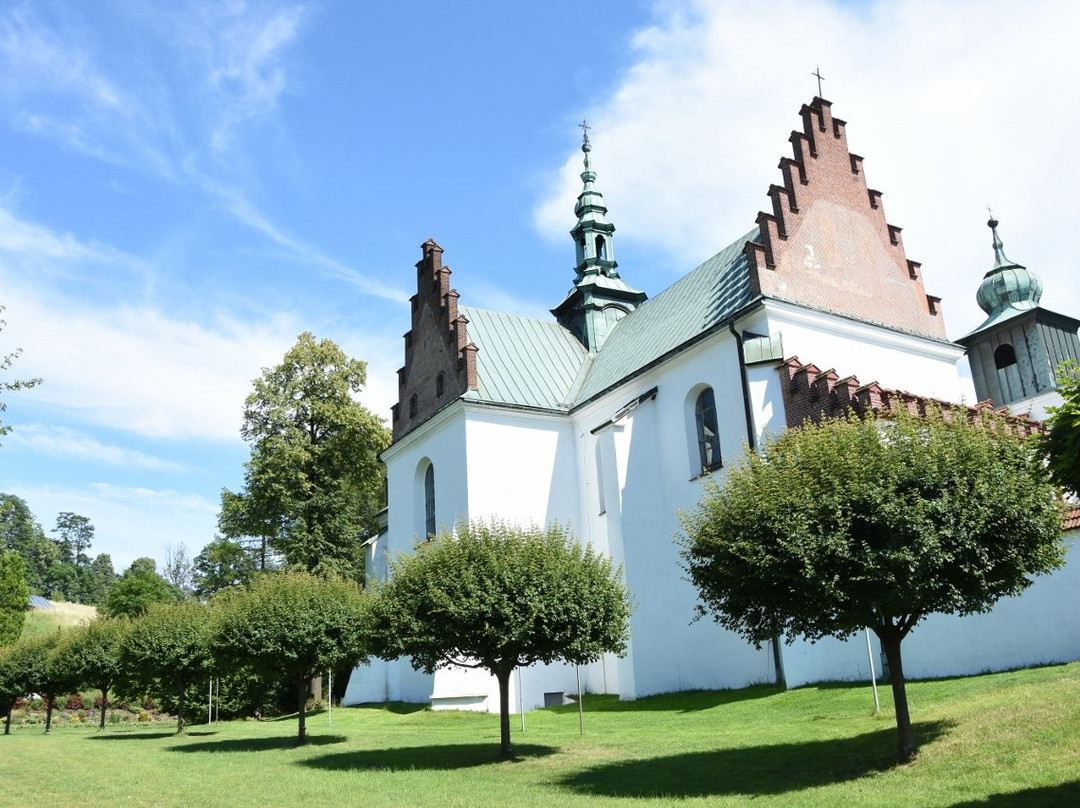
(890, 641)
(48, 713)
(104, 706)
(180, 711)
(301, 695)
(504, 714)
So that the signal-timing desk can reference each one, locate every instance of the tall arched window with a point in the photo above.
(429, 501)
(1004, 355)
(708, 432)
(601, 248)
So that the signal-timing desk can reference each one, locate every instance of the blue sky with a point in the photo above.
(185, 187)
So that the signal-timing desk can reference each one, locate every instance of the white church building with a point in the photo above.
(608, 416)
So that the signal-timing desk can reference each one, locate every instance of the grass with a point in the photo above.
(62, 615)
(1010, 739)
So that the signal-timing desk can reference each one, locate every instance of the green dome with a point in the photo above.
(1008, 284)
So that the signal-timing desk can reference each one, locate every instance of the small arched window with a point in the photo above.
(1004, 355)
(440, 385)
(413, 406)
(429, 501)
(601, 248)
(708, 431)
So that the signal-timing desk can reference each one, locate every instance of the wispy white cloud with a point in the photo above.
(120, 517)
(75, 445)
(953, 106)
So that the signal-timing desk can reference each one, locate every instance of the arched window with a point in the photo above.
(440, 385)
(601, 248)
(429, 502)
(412, 405)
(1004, 355)
(708, 432)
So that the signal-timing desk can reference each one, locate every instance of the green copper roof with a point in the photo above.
(1008, 290)
(689, 307)
(523, 361)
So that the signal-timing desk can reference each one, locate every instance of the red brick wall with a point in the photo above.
(826, 243)
(436, 343)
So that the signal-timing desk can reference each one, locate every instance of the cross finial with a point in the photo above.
(584, 126)
(820, 78)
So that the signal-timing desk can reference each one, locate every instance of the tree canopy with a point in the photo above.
(167, 650)
(221, 564)
(314, 484)
(855, 523)
(14, 596)
(292, 626)
(132, 594)
(92, 654)
(1061, 441)
(497, 596)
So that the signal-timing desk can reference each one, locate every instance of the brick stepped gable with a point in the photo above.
(826, 243)
(811, 393)
(436, 347)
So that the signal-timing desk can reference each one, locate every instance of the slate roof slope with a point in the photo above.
(523, 361)
(690, 306)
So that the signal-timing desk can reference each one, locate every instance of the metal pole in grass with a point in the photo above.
(580, 708)
(873, 676)
(521, 700)
(330, 698)
(210, 704)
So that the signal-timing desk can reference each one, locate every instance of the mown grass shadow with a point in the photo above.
(258, 744)
(1042, 797)
(395, 707)
(753, 770)
(131, 735)
(683, 702)
(431, 758)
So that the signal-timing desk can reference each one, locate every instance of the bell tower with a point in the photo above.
(1015, 352)
(599, 298)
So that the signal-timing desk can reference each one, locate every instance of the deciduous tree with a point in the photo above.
(314, 483)
(92, 654)
(221, 564)
(292, 626)
(1061, 442)
(856, 523)
(10, 385)
(497, 596)
(167, 650)
(136, 590)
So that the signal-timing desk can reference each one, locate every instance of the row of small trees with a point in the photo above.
(488, 595)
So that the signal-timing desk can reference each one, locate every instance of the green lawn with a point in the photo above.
(997, 740)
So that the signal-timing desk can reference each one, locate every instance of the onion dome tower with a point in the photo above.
(1015, 353)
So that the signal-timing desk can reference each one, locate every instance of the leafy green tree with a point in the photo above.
(74, 535)
(14, 596)
(314, 484)
(167, 651)
(20, 531)
(92, 654)
(855, 523)
(10, 685)
(221, 564)
(10, 385)
(291, 625)
(136, 590)
(496, 596)
(38, 668)
(1061, 441)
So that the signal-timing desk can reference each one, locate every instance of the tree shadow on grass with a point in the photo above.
(133, 735)
(1042, 797)
(431, 758)
(258, 744)
(682, 702)
(753, 770)
(395, 707)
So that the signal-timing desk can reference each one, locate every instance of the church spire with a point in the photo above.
(1007, 284)
(599, 297)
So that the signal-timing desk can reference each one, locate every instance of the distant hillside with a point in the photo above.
(62, 614)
